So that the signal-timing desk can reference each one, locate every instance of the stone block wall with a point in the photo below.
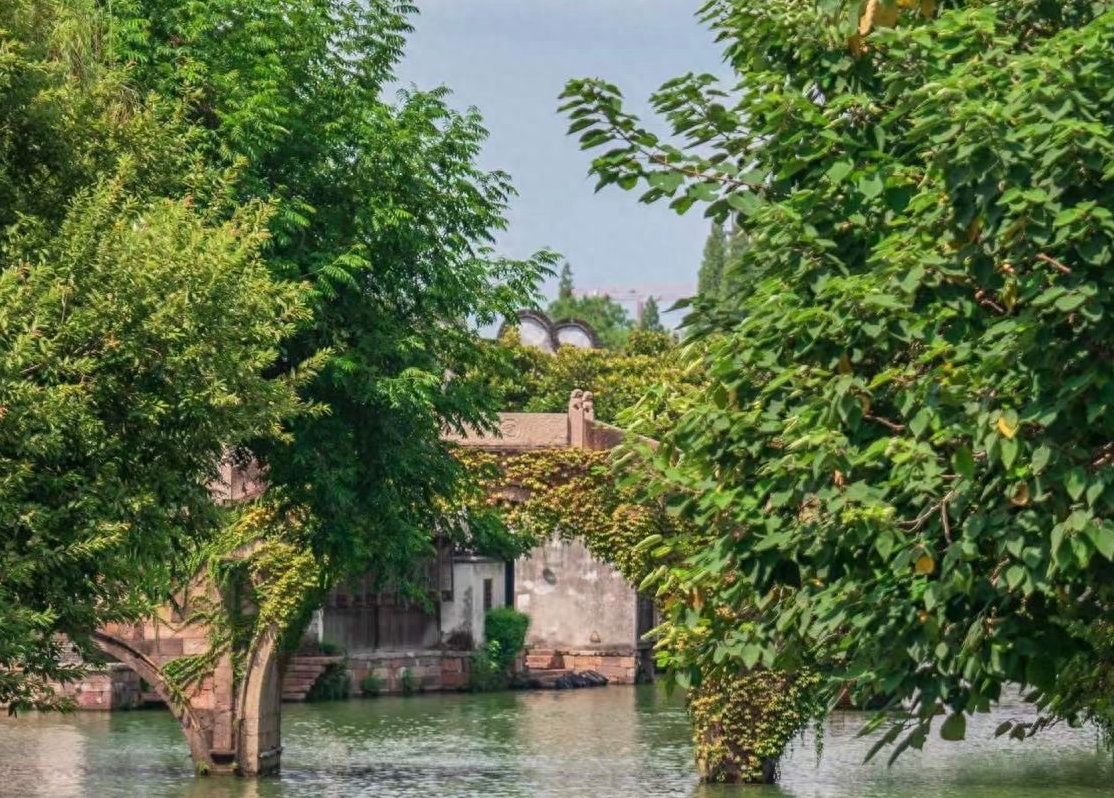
(433, 671)
(618, 667)
(115, 686)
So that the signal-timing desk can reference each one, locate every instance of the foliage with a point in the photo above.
(484, 675)
(603, 314)
(331, 649)
(408, 682)
(254, 580)
(743, 723)
(371, 686)
(334, 684)
(139, 326)
(904, 450)
(651, 318)
(649, 366)
(742, 719)
(506, 628)
(382, 209)
(565, 284)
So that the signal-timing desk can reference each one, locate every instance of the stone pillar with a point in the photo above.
(582, 413)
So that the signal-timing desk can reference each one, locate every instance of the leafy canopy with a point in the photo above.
(651, 317)
(138, 324)
(382, 209)
(905, 444)
(534, 381)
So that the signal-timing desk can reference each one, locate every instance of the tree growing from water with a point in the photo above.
(904, 445)
(340, 248)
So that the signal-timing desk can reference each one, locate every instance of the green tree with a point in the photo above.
(603, 314)
(649, 368)
(565, 286)
(138, 322)
(710, 279)
(906, 446)
(651, 319)
(382, 209)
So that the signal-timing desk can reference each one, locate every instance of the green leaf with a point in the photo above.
(746, 202)
(1040, 459)
(668, 181)
(752, 653)
(1075, 482)
(839, 170)
(1102, 535)
(1069, 302)
(1009, 447)
(954, 727)
(870, 185)
(964, 463)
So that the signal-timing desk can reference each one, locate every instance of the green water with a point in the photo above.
(601, 743)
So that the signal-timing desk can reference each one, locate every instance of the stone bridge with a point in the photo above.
(233, 726)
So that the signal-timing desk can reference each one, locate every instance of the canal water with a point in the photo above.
(618, 741)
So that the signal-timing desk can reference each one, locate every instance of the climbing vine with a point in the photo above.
(264, 580)
(573, 493)
(742, 719)
(742, 723)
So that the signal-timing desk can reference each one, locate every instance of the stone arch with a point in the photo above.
(149, 671)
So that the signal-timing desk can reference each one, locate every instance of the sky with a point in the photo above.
(511, 59)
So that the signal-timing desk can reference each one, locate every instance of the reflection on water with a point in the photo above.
(610, 742)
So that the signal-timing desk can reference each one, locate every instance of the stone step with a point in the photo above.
(301, 674)
(544, 661)
(546, 678)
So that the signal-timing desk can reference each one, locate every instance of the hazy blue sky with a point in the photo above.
(511, 58)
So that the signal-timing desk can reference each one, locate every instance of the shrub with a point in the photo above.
(408, 682)
(483, 673)
(506, 628)
(331, 649)
(334, 684)
(371, 685)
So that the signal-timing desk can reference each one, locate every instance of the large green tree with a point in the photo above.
(138, 323)
(610, 320)
(382, 209)
(905, 444)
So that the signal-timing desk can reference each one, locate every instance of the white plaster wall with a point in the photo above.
(466, 610)
(574, 601)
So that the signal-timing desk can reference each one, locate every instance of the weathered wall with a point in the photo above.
(370, 628)
(519, 431)
(463, 616)
(115, 686)
(574, 601)
(430, 670)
